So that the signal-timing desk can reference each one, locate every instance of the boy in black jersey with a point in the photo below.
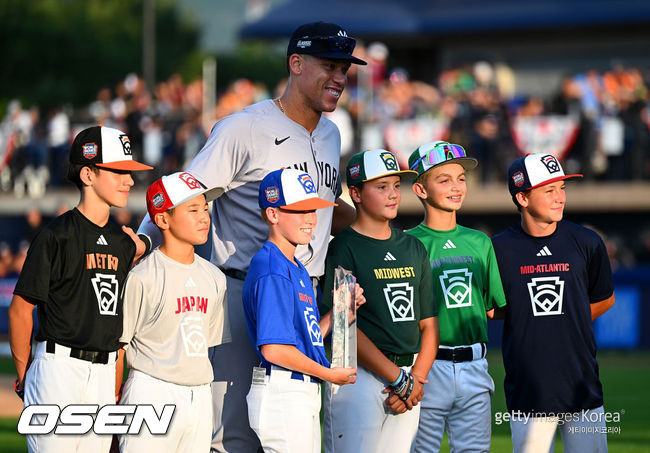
(74, 273)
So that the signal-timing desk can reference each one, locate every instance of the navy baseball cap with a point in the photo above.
(323, 40)
(104, 147)
(290, 189)
(535, 170)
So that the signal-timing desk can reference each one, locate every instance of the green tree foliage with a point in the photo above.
(63, 51)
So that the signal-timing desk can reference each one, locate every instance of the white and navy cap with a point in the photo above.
(290, 189)
(374, 164)
(104, 147)
(535, 170)
(173, 190)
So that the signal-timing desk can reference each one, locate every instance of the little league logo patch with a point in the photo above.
(272, 194)
(355, 170)
(106, 289)
(89, 150)
(190, 180)
(126, 144)
(307, 183)
(457, 287)
(313, 327)
(389, 161)
(546, 294)
(399, 297)
(193, 338)
(518, 178)
(551, 163)
(158, 200)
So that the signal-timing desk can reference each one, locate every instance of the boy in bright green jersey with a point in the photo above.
(397, 328)
(467, 287)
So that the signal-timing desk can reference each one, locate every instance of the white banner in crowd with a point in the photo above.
(401, 137)
(551, 134)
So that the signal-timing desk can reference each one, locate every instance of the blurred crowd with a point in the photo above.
(597, 122)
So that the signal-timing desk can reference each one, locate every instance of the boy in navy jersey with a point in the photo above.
(283, 321)
(557, 279)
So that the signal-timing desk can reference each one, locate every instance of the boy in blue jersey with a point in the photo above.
(557, 279)
(284, 323)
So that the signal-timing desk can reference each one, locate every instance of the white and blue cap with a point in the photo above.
(290, 189)
(535, 170)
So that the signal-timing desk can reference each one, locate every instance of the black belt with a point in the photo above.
(460, 354)
(235, 273)
(399, 359)
(88, 356)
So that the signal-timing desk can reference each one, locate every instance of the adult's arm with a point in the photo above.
(344, 215)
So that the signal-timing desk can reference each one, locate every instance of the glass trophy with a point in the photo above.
(344, 323)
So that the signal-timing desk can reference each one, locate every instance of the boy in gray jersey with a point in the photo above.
(173, 311)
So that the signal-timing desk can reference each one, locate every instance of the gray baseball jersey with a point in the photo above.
(242, 149)
(172, 313)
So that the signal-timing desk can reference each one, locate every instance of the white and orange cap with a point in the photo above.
(290, 189)
(173, 190)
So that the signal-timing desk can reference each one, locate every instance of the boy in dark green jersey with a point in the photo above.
(467, 286)
(397, 327)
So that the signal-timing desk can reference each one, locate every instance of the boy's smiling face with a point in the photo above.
(445, 187)
(296, 227)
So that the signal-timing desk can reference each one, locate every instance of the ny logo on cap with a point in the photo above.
(126, 144)
(190, 180)
(551, 163)
(389, 161)
(307, 183)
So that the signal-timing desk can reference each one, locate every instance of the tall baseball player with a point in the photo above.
(467, 285)
(73, 274)
(557, 280)
(241, 150)
(397, 327)
(173, 308)
(284, 323)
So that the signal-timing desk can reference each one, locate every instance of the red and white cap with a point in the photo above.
(175, 189)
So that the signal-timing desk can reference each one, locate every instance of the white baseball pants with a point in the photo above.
(358, 421)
